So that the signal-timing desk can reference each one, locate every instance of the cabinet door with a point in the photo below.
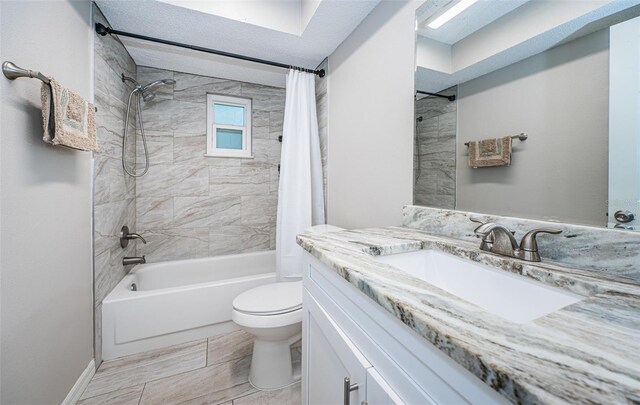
(378, 391)
(329, 358)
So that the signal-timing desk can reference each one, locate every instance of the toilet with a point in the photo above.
(272, 313)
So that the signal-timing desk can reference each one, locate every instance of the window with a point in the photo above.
(228, 126)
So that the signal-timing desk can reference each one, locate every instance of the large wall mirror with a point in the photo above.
(560, 79)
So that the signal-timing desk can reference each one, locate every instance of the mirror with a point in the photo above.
(555, 83)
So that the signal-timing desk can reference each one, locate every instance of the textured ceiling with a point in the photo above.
(479, 14)
(331, 23)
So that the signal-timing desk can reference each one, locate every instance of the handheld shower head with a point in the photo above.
(147, 90)
(154, 85)
(148, 96)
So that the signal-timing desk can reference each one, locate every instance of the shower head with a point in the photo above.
(147, 90)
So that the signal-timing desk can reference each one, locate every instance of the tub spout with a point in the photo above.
(127, 261)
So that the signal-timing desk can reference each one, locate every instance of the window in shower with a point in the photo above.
(228, 126)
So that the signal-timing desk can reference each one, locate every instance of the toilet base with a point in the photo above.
(271, 365)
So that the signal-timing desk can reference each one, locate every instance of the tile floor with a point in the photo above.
(208, 371)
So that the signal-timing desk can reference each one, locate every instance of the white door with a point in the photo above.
(329, 358)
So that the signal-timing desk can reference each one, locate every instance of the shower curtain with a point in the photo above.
(300, 192)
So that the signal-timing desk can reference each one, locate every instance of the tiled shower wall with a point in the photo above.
(434, 162)
(114, 192)
(189, 205)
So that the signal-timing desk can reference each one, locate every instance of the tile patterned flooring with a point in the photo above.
(208, 371)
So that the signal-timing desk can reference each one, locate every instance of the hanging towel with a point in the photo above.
(68, 120)
(490, 152)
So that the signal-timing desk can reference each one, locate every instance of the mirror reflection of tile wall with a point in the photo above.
(435, 151)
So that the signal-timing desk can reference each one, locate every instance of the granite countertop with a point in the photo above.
(587, 352)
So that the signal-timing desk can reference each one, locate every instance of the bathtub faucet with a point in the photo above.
(127, 261)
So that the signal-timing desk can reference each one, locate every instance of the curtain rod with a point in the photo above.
(102, 30)
(450, 98)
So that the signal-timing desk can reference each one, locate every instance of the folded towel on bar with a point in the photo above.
(490, 152)
(68, 120)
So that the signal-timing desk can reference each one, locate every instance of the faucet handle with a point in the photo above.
(126, 236)
(477, 221)
(529, 244)
(134, 235)
(485, 238)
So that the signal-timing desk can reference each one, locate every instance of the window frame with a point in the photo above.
(212, 149)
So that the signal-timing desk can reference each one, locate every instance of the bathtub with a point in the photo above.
(178, 301)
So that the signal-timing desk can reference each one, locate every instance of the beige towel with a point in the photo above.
(490, 152)
(68, 120)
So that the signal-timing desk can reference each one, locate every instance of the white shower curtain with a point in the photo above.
(300, 194)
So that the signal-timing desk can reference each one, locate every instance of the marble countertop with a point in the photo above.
(587, 352)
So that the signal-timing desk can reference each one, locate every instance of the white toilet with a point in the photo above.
(272, 313)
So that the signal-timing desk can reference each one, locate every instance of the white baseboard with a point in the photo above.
(78, 388)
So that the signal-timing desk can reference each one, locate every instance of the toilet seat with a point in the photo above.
(269, 321)
(270, 299)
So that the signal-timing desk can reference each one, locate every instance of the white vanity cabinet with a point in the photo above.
(333, 360)
(348, 335)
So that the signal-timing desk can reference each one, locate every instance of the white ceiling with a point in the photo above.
(478, 15)
(321, 31)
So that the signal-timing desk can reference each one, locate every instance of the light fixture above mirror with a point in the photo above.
(455, 8)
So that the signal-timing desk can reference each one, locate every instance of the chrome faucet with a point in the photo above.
(500, 240)
(128, 261)
(126, 236)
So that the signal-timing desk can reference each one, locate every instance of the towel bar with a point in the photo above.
(522, 137)
(12, 72)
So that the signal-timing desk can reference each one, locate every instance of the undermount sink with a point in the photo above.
(510, 296)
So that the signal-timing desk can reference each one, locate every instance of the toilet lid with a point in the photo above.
(270, 299)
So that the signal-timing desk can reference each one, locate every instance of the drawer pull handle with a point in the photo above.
(348, 388)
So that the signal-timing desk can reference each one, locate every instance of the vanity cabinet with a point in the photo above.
(348, 335)
(333, 359)
(336, 367)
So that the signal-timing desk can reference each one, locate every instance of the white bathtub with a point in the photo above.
(178, 301)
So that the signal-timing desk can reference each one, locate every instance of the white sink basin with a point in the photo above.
(510, 296)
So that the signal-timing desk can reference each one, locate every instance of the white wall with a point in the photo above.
(560, 98)
(45, 195)
(370, 147)
(433, 55)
